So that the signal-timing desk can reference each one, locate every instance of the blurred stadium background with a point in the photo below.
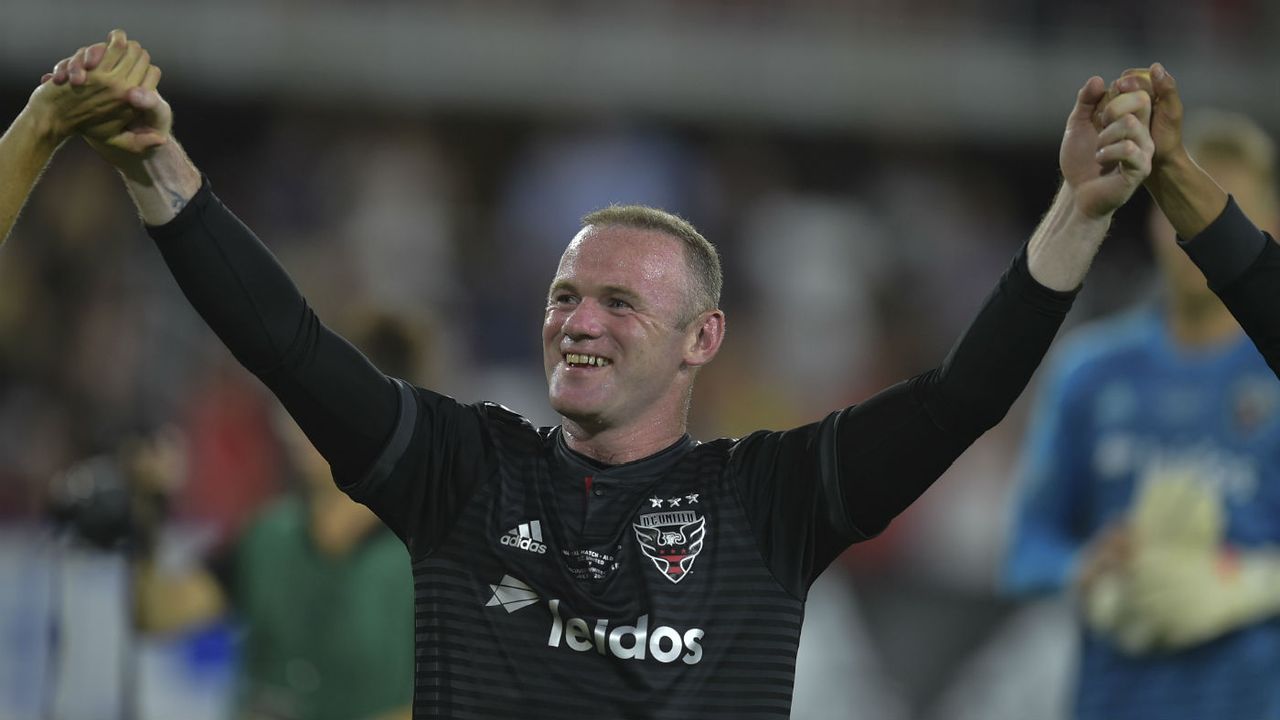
(867, 169)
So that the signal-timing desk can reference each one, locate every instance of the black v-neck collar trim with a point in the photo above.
(644, 467)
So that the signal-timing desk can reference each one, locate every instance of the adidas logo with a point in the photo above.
(526, 536)
(511, 594)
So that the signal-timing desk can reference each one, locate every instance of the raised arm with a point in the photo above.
(1240, 262)
(1187, 196)
(25, 149)
(848, 476)
(56, 111)
(948, 408)
(345, 406)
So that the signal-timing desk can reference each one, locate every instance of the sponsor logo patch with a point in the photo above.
(633, 640)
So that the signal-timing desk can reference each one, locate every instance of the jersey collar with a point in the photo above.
(646, 467)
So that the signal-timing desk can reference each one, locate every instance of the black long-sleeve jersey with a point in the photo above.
(548, 585)
(1242, 265)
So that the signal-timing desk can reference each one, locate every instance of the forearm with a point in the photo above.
(1186, 194)
(1191, 596)
(1242, 265)
(25, 150)
(1063, 246)
(161, 183)
(992, 362)
(895, 445)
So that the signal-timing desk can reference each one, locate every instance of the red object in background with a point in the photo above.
(883, 553)
(234, 460)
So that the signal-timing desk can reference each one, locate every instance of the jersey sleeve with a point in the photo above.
(1047, 524)
(1242, 265)
(438, 453)
(346, 407)
(812, 491)
(410, 454)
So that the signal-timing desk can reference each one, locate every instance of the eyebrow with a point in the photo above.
(617, 290)
(621, 291)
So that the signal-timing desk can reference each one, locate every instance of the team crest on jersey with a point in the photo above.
(1254, 403)
(672, 540)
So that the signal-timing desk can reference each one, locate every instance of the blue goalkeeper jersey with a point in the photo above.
(1122, 403)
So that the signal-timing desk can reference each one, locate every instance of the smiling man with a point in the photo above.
(641, 287)
(613, 566)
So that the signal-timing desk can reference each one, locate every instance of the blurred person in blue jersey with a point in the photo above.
(1151, 475)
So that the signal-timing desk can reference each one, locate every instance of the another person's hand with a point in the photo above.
(1185, 193)
(1166, 109)
(122, 69)
(1104, 168)
(1107, 553)
(1187, 594)
(158, 174)
(1176, 507)
(65, 108)
(1178, 585)
(1128, 571)
(1100, 581)
(1186, 586)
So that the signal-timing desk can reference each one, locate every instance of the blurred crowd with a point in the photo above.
(1210, 20)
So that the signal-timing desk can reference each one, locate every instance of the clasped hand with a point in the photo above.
(1107, 149)
(106, 92)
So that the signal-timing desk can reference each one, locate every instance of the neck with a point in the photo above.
(615, 446)
(1200, 322)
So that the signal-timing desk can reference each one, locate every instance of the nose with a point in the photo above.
(584, 321)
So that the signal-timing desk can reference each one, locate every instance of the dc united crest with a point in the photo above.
(672, 540)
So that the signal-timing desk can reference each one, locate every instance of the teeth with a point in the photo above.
(581, 359)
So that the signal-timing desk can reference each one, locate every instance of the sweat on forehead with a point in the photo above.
(627, 253)
(700, 256)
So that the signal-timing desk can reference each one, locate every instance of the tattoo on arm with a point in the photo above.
(176, 200)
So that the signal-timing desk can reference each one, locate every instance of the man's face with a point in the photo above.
(611, 349)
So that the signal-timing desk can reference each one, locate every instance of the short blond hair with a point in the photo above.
(701, 258)
(1220, 136)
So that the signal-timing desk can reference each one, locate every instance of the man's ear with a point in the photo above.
(704, 336)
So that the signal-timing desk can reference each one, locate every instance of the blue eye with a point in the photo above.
(618, 304)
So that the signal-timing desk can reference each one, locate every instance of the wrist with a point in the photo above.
(1069, 212)
(162, 181)
(42, 125)
(1170, 167)
(1062, 247)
